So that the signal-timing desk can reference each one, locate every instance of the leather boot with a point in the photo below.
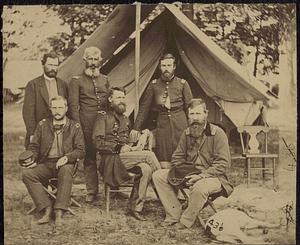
(46, 217)
(134, 199)
(58, 217)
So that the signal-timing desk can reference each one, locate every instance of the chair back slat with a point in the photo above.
(251, 138)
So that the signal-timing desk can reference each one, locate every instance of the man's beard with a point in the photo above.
(92, 71)
(51, 73)
(167, 75)
(119, 108)
(196, 128)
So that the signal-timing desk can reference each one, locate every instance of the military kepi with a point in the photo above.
(26, 159)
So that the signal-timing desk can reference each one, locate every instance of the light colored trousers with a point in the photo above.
(148, 163)
(198, 197)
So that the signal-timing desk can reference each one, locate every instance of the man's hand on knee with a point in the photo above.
(192, 179)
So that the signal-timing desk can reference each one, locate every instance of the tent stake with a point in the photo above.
(137, 56)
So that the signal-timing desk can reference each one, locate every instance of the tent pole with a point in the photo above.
(137, 56)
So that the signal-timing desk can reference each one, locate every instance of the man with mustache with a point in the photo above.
(88, 98)
(111, 137)
(205, 146)
(39, 92)
(171, 96)
(57, 144)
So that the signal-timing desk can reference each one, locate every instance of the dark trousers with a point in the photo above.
(37, 177)
(90, 165)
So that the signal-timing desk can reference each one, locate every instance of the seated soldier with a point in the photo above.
(111, 139)
(56, 145)
(205, 146)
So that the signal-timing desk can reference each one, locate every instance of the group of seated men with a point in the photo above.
(96, 123)
(58, 143)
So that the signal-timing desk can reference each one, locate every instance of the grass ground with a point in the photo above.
(91, 225)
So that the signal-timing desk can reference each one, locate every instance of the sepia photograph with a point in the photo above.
(137, 124)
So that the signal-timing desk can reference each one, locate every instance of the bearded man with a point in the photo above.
(38, 93)
(57, 145)
(111, 139)
(204, 146)
(88, 97)
(171, 96)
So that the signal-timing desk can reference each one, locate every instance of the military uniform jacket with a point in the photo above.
(210, 153)
(73, 141)
(87, 97)
(111, 132)
(36, 101)
(156, 94)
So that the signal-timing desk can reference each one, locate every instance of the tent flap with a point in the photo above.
(107, 37)
(153, 41)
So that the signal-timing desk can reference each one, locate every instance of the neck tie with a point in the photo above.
(58, 127)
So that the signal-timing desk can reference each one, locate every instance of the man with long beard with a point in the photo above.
(171, 96)
(87, 98)
(111, 139)
(204, 146)
(57, 144)
(38, 93)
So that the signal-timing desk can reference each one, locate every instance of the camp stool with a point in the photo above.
(209, 203)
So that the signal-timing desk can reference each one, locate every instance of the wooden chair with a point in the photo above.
(128, 184)
(251, 149)
(51, 189)
(108, 190)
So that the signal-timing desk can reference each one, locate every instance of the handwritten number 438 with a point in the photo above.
(216, 225)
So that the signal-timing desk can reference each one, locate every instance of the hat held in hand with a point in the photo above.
(178, 173)
(26, 159)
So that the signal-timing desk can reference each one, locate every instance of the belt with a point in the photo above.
(52, 159)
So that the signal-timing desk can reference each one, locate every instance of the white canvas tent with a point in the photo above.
(234, 98)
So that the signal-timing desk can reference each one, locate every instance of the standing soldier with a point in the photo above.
(88, 97)
(172, 96)
(39, 92)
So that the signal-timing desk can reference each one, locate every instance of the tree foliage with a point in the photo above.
(82, 20)
(240, 28)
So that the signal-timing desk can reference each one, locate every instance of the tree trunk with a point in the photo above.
(256, 60)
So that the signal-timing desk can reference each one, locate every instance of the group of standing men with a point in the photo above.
(96, 112)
